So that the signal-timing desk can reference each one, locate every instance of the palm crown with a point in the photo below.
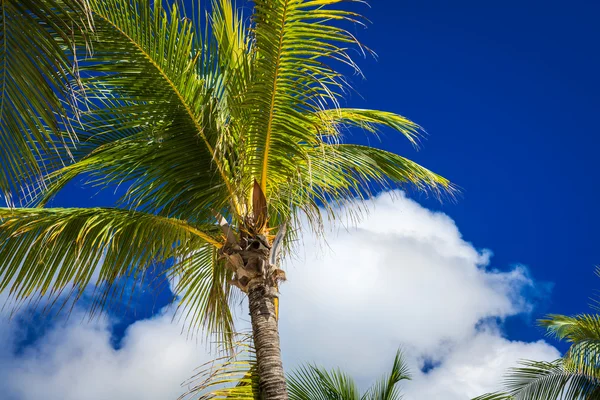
(224, 136)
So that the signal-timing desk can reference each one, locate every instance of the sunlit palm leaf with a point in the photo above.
(295, 41)
(163, 171)
(48, 251)
(368, 120)
(583, 332)
(145, 68)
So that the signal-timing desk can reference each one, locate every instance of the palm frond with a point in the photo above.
(297, 41)
(379, 166)
(583, 331)
(337, 175)
(535, 380)
(164, 171)
(60, 251)
(387, 388)
(573, 329)
(368, 120)
(147, 72)
(206, 295)
(37, 83)
(314, 383)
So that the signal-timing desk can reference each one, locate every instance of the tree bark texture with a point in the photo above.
(266, 342)
(256, 274)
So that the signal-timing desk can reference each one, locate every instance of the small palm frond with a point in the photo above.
(547, 381)
(53, 252)
(336, 175)
(232, 377)
(387, 387)
(573, 329)
(313, 383)
(37, 83)
(372, 165)
(583, 331)
(368, 120)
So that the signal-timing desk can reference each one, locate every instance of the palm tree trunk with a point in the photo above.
(253, 261)
(266, 341)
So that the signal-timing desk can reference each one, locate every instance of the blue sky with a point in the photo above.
(508, 93)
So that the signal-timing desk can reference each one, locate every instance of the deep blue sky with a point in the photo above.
(508, 92)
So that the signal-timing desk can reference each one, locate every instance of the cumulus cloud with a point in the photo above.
(474, 366)
(403, 277)
(75, 360)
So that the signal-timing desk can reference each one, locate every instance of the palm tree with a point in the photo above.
(224, 136)
(575, 376)
(235, 378)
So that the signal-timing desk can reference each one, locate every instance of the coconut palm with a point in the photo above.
(224, 133)
(235, 378)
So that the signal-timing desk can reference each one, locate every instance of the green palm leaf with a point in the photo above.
(314, 383)
(37, 84)
(546, 381)
(45, 251)
(292, 78)
(206, 295)
(583, 332)
(157, 86)
(387, 387)
(574, 376)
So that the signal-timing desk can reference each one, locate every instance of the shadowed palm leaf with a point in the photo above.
(37, 85)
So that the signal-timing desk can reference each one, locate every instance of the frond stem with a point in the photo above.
(263, 180)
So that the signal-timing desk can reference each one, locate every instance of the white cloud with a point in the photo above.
(473, 367)
(403, 277)
(76, 361)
